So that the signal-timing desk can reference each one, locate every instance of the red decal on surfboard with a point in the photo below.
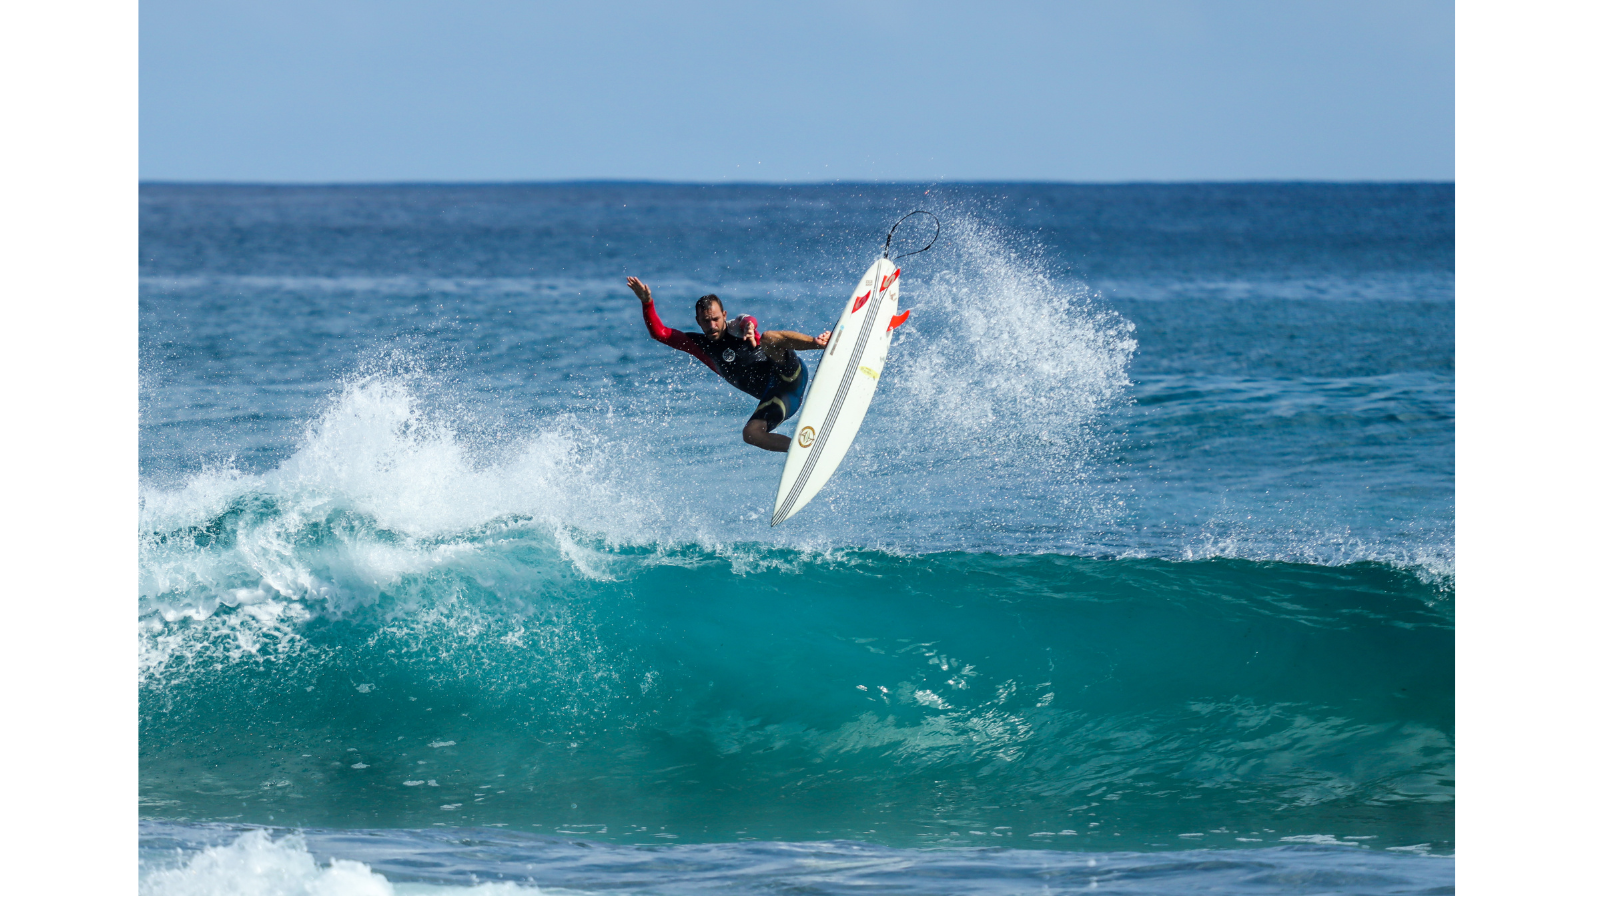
(860, 301)
(888, 279)
(899, 320)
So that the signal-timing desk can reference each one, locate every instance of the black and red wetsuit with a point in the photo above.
(779, 384)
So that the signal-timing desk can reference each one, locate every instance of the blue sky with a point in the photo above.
(1165, 90)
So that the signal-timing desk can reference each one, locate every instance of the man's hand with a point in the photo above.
(750, 335)
(640, 290)
(822, 339)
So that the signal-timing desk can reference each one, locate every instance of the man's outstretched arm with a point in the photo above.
(774, 341)
(672, 337)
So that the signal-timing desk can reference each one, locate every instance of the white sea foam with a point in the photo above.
(376, 452)
(257, 865)
(234, 634)
(1004, 371)
(1001, 343)
(377, 491)
(1431, 557)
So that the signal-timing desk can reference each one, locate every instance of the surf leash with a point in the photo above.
(915, 212)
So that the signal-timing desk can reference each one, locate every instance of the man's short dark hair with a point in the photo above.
(704, 303)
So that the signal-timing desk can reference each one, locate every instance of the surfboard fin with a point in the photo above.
(899, 320)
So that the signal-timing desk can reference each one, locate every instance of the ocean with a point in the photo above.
(1139, 578)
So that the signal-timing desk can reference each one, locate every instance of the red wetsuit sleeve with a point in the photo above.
(672, 337)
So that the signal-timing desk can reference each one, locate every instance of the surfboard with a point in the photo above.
(841, 389)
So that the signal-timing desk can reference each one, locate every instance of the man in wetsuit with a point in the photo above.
(763, 365)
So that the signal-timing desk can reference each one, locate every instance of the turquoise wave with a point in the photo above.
(547, 680)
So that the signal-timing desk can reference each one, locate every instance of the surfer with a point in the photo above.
(763, 365)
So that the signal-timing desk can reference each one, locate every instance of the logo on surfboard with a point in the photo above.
(807, 435)
(862, 300)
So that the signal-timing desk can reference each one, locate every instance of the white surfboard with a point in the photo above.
(841, 389)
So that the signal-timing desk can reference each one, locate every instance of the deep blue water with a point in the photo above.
(1143, 559)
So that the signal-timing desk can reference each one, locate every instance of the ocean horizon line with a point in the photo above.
(653, 182)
